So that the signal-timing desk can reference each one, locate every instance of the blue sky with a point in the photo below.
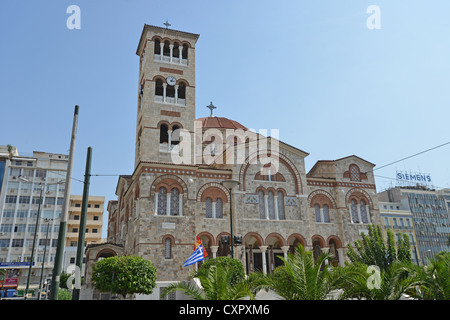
(309, 68)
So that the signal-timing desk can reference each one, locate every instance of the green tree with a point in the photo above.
(304, 278)
(218, 281)
(236, 267)
(398, 279)
(124, 275)
(372, 249)
(435, 279)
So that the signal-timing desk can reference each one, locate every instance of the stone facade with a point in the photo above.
(165, 204)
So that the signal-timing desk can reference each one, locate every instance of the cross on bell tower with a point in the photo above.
(211, 107)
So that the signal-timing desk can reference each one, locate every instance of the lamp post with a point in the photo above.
(34, 240)
(43, 259)
(35, 232)
(230, 184)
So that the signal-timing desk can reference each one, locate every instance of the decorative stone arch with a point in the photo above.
(183, 80)
(335, 250)
(94, 252)
(358, 194)
(277, 236)
(169, 181)
(209, 236)
(214, 187)
(171, 237)
(321, 197)
(296, 236)
(336, 240)
(158, 77)
(219, 237)
(282, 158)
(320, 239)
(259, 239)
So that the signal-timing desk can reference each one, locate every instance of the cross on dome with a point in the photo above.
(211, 107)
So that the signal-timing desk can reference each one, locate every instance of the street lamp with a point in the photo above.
(230, 184)
(43, 259)
(35, 232)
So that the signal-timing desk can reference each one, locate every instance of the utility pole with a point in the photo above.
(82, 229)
(63, 224)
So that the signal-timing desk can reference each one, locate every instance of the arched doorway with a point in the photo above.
(274, 251)
(253, 253)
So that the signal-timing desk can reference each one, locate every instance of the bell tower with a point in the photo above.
(166, 91)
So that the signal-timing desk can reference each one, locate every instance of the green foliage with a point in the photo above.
(220, 280)
(124, 275)
(304, 278)
(435, 279)
(398, 279)
(64, 294)
(235, 266)
(372, 249)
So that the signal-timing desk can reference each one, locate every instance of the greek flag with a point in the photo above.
(196, 256)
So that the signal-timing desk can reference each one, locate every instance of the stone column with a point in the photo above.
(275, 204)
(171, 52)
(341, 252)
(266, 206)
(285, 251)
(214, 250)
(263, 251)
(164, 91)
(176, 93)
(161, 44)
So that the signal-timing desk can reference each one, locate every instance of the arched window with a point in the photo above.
(163, 133)
(157, 46)
(170, 94)
(262, 207)
(175, 136)
(176, 50)
(317, 212)
(168, 248)
(326, 215)
(219, 208)
(271, 205)
(185, 51)
(159, 89)
(363, 211)
(174, 202)
(162, 201)
(166, 48)
(208, 207)
(280, 201)
(359, 211)
(182, 90)
(354, 211)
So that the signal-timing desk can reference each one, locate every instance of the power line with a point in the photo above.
(416, 154)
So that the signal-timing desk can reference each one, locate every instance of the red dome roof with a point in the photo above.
(219, 122)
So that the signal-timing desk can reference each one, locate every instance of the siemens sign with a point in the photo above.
(413, 177)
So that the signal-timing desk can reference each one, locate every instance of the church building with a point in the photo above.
(215, 179)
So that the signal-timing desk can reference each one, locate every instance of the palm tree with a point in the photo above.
(435, 277)
(216, 284)
(393, 283)
(304, 278)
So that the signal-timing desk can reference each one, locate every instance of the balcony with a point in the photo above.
(170, 60)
